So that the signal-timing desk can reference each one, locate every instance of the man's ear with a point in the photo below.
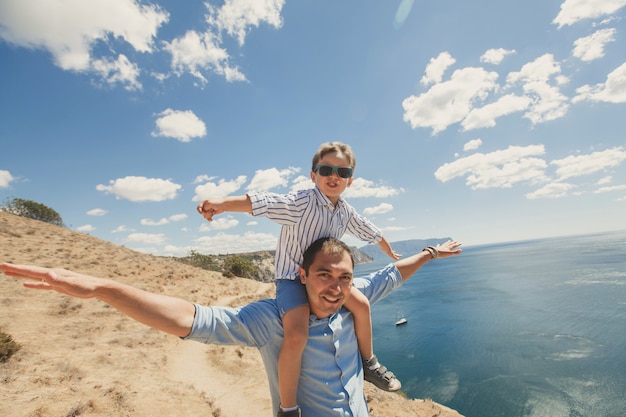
(350, 182)
(312, 175)
(302, 274)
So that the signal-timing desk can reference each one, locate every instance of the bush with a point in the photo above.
(33, 210)
(199, 260)
(7, 346)
(239, 266)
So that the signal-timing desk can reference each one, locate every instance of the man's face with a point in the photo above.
(328, 282)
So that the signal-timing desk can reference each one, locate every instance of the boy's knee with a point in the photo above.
(361, 307)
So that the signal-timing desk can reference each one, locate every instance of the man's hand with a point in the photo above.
(168, 314)
(450, 248)
(56, 279)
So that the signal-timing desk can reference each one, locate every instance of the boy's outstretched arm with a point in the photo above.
(168, 314)
(385, 246)
(209, 208)
(408, 266)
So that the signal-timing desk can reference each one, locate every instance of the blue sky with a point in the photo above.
(486, 121)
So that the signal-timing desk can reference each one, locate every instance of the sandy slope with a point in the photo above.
(82, 358)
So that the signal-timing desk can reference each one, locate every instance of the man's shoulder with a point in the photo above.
(380, 282)
(266, 307)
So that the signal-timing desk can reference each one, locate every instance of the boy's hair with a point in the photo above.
(328, 245)
(334, 147)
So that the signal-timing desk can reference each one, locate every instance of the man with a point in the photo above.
(331, 380)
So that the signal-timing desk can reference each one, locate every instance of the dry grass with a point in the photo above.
(81, 358)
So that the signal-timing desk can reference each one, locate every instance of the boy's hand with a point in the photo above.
(393, 255)
(208, 209)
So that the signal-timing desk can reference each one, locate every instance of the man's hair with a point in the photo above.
(334, 147)
(328, 245)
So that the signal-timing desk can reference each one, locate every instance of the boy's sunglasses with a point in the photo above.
(327, 171)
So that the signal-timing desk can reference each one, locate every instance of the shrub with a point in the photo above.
(239, 266)
(33, 210)
(7, 346)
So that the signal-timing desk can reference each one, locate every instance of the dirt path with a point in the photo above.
(231, 376)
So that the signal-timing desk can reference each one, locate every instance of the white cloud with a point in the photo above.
(379, 209)
(592, 47)
(86, 228)
(552, 190)
(302, 182)
(218, 189)
(236, 17)
(120, 229)
(97, 212)
(5, 178)
(496, 56)
(177, 217)
(70, 29)
(219, 223)
(450, 101)
(150, 222)
(224, 243)
(605, 180)
(364, 188)
(573, 11)
(141, 189)
(540, 80)
(172, 219)
(472, 145)
(575, 166)
(146, 238)
(266, 179)
(195, 52)
(119, 71)
(486, 116)
(202, 178)
(394, 229)
(73, 31)
(180, 125)
(436, 68)
(613, 91)
(498, 169)
(609, 189)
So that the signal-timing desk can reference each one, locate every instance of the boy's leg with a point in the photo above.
(373, 371)
(296, 325)
(359, 305)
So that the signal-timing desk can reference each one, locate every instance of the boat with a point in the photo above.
(400, 318)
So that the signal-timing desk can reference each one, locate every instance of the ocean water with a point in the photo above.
(524, 329)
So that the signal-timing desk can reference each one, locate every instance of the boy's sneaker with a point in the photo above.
(381, 376)
(292, 413)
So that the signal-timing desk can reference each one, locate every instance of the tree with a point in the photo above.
(33, 210)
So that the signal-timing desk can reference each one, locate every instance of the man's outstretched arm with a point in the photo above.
(408, 266)
(168, 314)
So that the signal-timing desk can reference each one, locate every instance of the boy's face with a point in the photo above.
(328, 282)
(334, 185)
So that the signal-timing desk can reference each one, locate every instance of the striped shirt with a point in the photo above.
(306, 216)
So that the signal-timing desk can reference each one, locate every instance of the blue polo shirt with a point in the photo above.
(331, 379)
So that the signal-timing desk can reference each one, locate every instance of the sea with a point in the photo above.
(534, 328)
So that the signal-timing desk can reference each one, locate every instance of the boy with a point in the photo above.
(305, 216)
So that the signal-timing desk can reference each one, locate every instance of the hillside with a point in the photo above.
(81, 358)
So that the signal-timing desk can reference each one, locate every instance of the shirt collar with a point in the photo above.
(322, 200)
